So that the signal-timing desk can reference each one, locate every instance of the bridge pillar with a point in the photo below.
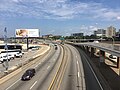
(102, 57)
(118, 62)
(87, 48)
(102, 53)
(92, 50)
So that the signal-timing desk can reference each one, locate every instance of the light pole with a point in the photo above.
(113, 42)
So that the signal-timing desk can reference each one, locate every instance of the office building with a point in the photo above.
(100, 32)
(111, 31)
(77, 34)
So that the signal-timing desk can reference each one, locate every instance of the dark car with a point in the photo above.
(28, 74)
(55, 47)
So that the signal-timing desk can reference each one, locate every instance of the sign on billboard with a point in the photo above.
(27, 32)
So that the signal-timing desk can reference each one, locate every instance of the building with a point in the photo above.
(118, 33)
(100, 32)
(111, 31)
(77, 34)
(47, 36)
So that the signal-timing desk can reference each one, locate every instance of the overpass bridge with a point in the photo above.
(103, 48)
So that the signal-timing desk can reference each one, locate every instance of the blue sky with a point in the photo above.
(59, 17)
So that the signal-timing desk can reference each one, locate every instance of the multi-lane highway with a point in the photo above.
(66, 68)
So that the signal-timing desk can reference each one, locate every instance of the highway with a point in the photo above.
(44, 67)
(66, 68)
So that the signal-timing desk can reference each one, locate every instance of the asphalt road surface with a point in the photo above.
(77, 73)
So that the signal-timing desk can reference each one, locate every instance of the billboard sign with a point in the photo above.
(27, 32)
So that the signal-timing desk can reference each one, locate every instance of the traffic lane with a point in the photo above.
(69, 81)
(21, 85)
(39, 77)
(47, 78)
(74, 75)
(91, 80)
(17, 77)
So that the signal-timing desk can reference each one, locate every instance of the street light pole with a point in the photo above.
(113, 42)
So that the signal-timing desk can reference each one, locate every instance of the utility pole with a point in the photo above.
(6, 65)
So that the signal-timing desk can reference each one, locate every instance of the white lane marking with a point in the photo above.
(76, 56)
(78, 74)
(77, 62)
(94, 75)
(48, 67)
(33, 85)
(12, 84)
(36, 66)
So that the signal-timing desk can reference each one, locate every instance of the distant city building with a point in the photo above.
(77, 34)
(118, 33)
(100, 32)
(111, 31)
(47, 36)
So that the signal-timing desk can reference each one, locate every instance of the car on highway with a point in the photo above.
(28, 74)
(55, 47)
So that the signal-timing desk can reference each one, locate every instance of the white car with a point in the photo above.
(4, 58)
(18, 54)
(1, 60)
(96, 42)
(10, 56)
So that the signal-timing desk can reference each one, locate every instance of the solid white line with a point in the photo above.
(76, 56)
(95, 75)
(78, 74)
(33, 85)
(48, 67)
(77, 62)
(12, 84)
(36, 66)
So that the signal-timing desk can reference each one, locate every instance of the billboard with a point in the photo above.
(27, 32)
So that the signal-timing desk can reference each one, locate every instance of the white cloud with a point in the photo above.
(57, 9)
(118, 17)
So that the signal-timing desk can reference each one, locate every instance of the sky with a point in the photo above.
(59, 17)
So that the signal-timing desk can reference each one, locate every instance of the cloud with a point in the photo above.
(56, 9)
(118, 17)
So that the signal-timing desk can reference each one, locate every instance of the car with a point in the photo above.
(28, 74)
(1, 60)
(56, 48)
(19, 54)
(5, 58)
(95, 41)
(112, 57)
